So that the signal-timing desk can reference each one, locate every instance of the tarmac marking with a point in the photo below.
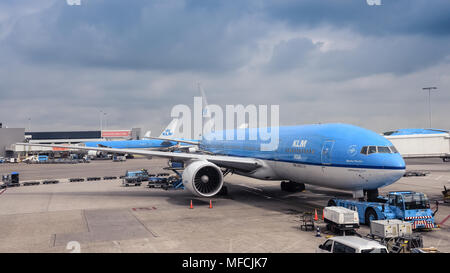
(152, 208)
(147, 228)
(53, 241)
(49, 200)
(107, 225)
(3, 191)
(443, 221)
(86, 221)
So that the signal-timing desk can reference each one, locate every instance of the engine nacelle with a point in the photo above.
(192, 149)
(92, 153)
(203, 178)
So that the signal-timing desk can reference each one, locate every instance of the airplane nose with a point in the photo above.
(395, 162)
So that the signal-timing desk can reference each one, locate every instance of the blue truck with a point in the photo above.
(408, 206)
(135, 178)
(170, 182)
(42, 158)
(10, 180)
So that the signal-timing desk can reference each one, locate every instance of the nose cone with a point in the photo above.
(397, 165)
(395, 162)
(394, 169)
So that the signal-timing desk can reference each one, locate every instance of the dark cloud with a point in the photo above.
(321, 61)
(393, 17)
(159, 35)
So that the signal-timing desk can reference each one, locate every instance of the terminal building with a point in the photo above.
(10, 137)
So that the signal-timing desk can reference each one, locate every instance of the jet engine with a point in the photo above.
(192, 149)
(203, 178)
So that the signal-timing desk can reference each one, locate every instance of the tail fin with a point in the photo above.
(147, 135)
(171, 130)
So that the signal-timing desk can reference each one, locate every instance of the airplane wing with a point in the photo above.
(231, 162)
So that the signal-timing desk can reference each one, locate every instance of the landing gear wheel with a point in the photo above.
(331, 203)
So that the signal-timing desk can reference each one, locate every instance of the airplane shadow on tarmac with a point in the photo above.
(267, 197)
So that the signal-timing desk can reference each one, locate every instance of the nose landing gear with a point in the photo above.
(372, 195)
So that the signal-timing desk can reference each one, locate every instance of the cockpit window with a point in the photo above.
(364, 150)
(384, 150)
(378, 149)
(393, 149)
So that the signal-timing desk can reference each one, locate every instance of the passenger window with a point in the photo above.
(364, 150)
(374, 250)
(338, 248)
(349, 249)
(327, 245)
(384, 150)
(372, 149)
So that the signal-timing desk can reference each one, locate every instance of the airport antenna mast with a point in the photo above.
(429, 100)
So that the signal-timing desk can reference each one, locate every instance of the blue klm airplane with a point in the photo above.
(166, 140)
(338, 156)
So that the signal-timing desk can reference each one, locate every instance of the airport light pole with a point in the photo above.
(106, 120)
(429, 99)
(101, 121)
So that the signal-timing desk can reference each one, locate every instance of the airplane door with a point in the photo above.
(326, 151)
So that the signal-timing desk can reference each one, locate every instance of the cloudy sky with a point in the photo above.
(321, 61)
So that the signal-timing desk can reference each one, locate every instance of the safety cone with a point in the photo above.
(191, 207)
(323, 214)
(318, 232)
(316, 218)
(210, 204)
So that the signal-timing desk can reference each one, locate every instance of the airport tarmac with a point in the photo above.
(103, 216)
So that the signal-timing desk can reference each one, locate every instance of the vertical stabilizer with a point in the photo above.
(171, 130)
(147, 135)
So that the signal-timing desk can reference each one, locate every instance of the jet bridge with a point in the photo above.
(422, 145)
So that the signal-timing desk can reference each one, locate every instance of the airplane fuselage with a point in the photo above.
(329, 155)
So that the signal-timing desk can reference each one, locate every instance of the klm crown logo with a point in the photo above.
(73, 2)
(167, 132)
(373, 2)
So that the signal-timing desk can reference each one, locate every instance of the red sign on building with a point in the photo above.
(119, 133)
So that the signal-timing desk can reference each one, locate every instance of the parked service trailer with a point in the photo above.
(422, 145)
(340, 219)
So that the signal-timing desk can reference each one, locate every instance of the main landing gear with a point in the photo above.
(290, 186)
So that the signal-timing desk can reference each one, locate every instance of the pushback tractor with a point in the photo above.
(409, 206)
